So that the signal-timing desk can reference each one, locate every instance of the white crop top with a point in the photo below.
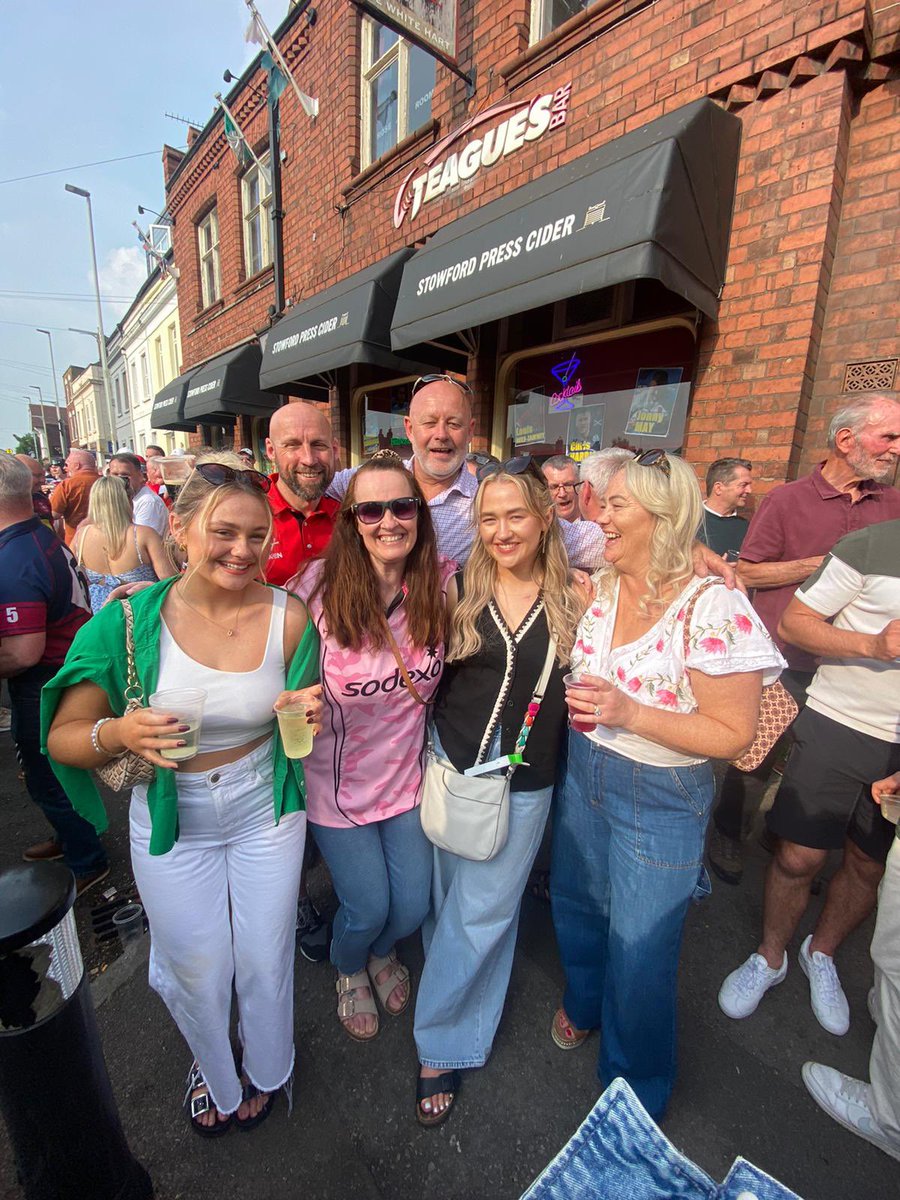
(238, 705)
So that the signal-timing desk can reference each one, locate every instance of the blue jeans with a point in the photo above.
(618, 1151)
(83, 851)
(626, 860)
(382, 876)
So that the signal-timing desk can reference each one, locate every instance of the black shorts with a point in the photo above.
(825, 796)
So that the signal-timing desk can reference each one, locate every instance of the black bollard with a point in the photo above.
(55, 1094)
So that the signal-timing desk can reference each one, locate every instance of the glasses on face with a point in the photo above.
(219, 473)
(564, 487)
(370, 512)
(654, 458)
(441, 378)
(523, 465)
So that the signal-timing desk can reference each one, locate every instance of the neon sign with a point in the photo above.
(563, 372)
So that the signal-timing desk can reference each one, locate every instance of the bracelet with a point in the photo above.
(95, 741)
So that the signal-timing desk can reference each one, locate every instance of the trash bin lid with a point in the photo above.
(33, 899)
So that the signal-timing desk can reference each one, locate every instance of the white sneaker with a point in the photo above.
(847, 1101)
(743, 989)
(825, 992)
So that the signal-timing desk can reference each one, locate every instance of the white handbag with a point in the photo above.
(469, 814)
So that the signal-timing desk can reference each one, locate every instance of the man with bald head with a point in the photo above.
(39, 501)
(304, 451)
(70, 499)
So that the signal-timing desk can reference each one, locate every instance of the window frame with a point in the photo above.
(262, 212)
(540, 20)
(209, 255)
(174, 349)
(370, 69)
(145, 375)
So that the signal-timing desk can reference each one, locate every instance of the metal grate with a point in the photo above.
(876, 376)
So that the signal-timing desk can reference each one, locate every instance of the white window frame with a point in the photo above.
(399, 53)
(540, 19)
(145, 375)
(124, 378)
(261, 212)
(208, 251)
(160, 361)
(118, 390)
(173, 349)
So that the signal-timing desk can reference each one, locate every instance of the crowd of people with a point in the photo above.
(571, 631)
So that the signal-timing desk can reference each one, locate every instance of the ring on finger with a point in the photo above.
(596, 710)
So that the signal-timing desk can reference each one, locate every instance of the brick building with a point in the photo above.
(658, 222)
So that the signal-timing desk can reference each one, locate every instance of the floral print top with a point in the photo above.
(725, 637)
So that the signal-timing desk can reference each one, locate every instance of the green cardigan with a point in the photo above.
(97, 655)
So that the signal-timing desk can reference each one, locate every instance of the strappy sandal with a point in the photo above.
(350, 1003)
(249, 1092)
(198, 1106)
(399, 977)
(448, 1083)
(564, 1033)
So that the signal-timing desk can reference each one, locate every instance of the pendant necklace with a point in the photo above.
(228, 632)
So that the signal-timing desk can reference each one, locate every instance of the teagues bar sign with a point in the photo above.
(519, 124)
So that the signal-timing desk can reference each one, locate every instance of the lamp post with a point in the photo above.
(101, 340)
(63, 431)
(43, 418)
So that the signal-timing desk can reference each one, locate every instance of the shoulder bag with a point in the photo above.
(777, 707)
(127, 769)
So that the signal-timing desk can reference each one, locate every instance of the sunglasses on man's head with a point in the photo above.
(219, 473)
(370, 512)
(524, 464)
(441, 377)
(654, 458)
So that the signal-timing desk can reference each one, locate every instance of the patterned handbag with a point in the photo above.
(777, 707)
(127, 769)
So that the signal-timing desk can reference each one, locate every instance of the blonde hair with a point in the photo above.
(674, 500)
(563, 604)
(198, 500)
(110, 509)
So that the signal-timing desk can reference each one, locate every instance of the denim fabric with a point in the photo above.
(83, 851)
(382, 876)
(626, 860)
(470, 938)
(619, 1152)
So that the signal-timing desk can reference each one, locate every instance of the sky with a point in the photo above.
(82, 81)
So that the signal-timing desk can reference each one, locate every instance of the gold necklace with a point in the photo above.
(228, 632)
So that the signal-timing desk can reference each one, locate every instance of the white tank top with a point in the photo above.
(238, 705)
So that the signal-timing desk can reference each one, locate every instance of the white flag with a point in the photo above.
(258, 33)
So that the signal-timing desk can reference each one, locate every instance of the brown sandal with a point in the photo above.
(350, 1003)
(564, 1033)
(398, 977)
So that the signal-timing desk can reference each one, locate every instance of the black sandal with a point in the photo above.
(199, 1105)
(448, 1083)
(250, 1092)
(539, 885)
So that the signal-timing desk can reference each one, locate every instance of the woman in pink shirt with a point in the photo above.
(378, 600)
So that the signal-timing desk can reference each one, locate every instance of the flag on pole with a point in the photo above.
(241, 148)
(165, 267)
(277, 80)
(259, 34)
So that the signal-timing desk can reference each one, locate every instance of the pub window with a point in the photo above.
(397, 88)
(547, 15)
(208, 245)
(256, 201)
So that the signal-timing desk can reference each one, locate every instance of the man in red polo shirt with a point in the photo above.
(304, 451)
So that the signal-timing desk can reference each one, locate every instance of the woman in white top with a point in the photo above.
(634, 799)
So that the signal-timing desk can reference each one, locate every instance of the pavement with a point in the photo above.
(353, 1131)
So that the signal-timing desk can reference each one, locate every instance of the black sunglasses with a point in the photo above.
(370, 512)
(523, 465)
(441, 377)
(654, 458)
(219, 473)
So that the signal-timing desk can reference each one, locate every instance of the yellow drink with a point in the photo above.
(191, 738)
(296, 733)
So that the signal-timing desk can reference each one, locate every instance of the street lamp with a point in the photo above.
(43, 419)
(63, 438)
(101, 341)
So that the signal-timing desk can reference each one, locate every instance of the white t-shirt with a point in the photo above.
(726, 638)
(150, 510)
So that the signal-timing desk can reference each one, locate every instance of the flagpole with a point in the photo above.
(240, 133)
(309, 104)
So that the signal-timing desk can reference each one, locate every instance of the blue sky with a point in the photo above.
(80, 81)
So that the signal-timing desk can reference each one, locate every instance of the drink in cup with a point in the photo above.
(578, 690)
(890, 806)
(187, 705)
(296, 732)
(175, 469)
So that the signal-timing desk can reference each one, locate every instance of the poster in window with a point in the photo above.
(430, 24)
(655, 393)
(528, 419)
(585, 430)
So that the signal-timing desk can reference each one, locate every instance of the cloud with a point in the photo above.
(121, 273)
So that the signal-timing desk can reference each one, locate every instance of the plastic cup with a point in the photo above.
(175, 469)
(128, 922)
(890, 806)
(580, 721)
(296, 732)
(187, 705)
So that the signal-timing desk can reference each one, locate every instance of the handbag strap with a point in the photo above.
(403, 671)
(689, 611)
(134, 693)
(534, 703)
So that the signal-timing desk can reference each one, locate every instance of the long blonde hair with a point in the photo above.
(110, 509)
(563, 603)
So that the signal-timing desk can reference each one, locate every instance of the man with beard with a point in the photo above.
(304, 451)
(148, 508)
(795, 526)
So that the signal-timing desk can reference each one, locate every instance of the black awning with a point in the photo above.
(227, 387)
(655, 203)
(348, 323)
(168, 407)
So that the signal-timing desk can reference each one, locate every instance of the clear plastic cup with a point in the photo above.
(296, 732)
(187, 705)
(128, 922)
(890, 806)
(581, 721)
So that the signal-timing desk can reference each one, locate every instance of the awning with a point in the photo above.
(653, 204)
(168, 407)
(226, 387)
(348, 323)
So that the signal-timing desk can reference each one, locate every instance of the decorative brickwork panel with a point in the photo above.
(870, 376)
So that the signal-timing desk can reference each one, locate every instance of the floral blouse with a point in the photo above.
(725, 637)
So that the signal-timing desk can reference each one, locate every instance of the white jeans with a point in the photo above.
(222, 910)
(884, 1065)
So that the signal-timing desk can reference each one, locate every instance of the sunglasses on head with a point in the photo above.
(219, 473)
(441, 377)
(370, 512)
(523, 465)
(654, 458)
